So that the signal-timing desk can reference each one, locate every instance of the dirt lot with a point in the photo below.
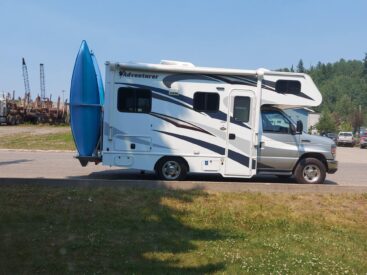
(351, 155)
(17, 166)
(60, 165)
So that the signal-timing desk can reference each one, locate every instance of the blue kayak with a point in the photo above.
(86, 101)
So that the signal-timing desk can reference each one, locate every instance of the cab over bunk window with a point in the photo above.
(288, 87)
(134, 100)
(206, 102)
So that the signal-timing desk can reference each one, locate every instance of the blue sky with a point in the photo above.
(233, 34)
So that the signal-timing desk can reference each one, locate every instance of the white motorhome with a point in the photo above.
(174, 118)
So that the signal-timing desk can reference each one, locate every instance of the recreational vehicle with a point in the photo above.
(175, 118)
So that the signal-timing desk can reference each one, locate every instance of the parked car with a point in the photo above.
(363, 141)
(346, 138)
(332, 136)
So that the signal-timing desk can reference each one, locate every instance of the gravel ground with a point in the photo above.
(41, 167)
(53, 165)
(351, 155)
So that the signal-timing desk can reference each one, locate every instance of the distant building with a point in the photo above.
(313, 119)
(308, 117)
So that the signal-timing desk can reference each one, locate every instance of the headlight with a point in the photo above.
(333, 150)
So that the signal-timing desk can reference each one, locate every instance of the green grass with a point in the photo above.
(116, 230)
(53, 141)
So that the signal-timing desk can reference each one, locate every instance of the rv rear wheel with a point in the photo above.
(172, 168)
(310, 170)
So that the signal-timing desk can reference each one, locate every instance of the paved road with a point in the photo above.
(352, 167)
(61, 167)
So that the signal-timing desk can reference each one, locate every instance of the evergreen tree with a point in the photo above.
(292, 69)
(365, 65)
(344, 108)
(343, 86)
(300, 67)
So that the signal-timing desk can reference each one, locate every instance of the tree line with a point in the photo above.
(343, 86)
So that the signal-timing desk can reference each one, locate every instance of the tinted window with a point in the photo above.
(288, 86)
(275, 122)
(346, 134)
(134, 100)
(206, 102)
(241, 108)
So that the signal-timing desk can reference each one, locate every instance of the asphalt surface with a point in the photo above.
(61, 168)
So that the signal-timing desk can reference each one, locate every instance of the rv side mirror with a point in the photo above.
(292, 129)
(299, 127)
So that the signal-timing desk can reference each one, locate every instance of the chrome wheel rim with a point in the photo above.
(171, 170)
(311, 173)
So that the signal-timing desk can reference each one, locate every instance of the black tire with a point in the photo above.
(310, 171)
(172, 168)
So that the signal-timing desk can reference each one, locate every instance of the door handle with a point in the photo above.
(232, 136)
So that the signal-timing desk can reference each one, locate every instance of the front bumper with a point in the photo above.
(332, 166)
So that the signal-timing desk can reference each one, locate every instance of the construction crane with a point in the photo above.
(26, 82)
(42, 82)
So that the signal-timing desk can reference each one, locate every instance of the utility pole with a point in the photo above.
(42, 82)
(359, 119)
(63, 98)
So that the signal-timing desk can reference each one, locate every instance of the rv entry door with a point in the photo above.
(240, 134)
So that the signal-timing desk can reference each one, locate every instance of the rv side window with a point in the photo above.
(206, 102)
(241, 108)
(134, 100)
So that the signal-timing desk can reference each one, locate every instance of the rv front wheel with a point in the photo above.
(172, 169)
(310, 170)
